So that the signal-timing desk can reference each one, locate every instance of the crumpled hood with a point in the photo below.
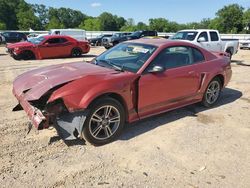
(36, 83)
(20, 45)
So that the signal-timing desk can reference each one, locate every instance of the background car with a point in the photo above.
(131, 81)
(121, 37)
(140, 34)
(78, 34)
(116, 38)
(245, 44)
(12, 37)
(208, 39)
(98, 40)
(2, 39)
(48, 46)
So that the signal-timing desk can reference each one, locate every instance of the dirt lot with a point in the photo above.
(189, 147)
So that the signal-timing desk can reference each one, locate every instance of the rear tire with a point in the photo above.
(212, 93)
(76, 52)
(27, 55)
(230, 54)
(104, 122)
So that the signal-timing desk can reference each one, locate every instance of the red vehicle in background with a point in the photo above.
(50, 46)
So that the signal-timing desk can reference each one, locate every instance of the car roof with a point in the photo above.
(159, 42)
(199, 30)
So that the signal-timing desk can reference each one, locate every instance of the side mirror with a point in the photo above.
(156, 69)
(201, 39)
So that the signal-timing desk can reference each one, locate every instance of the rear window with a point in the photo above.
(197, 56)
(214, 36)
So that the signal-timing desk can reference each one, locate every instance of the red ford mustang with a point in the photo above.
(50, 46)
(129, 82)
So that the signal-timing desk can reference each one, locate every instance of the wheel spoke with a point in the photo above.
(96, 118)
(97, 130)
(107, 111)
(114, 119)
(108, 131)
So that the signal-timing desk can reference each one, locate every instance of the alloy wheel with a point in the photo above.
(213, 92)
(104, 122)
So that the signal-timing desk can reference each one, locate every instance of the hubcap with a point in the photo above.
(213, 92)
(104, 122)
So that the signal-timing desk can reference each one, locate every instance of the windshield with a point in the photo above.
(185, 35)
(137, 34)
(36, 40)
(117, 35)
(126, 56)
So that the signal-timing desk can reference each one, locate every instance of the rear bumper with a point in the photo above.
(35, 115)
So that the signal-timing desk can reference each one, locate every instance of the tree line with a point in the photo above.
(19, 15)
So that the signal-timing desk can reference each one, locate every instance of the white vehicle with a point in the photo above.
(2, 39)
(30, 36)
(245, 44)
(78, 34)
(208, 39)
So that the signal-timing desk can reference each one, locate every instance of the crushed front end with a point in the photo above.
(43, 114)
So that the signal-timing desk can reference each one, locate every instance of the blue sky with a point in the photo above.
(181, 11)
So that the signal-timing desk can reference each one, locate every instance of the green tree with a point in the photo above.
(2, 26)
(8, 13)
(120, 22)
(129, 25)
(158, 24)
(69, 18)
(108, 22)
(230, 18)
(91, 24)
(41, 11)
(246, 21)
(141, 26)
(26, 17)
(215, 24)
(54, 23)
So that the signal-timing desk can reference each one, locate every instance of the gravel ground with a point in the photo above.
(188, 147)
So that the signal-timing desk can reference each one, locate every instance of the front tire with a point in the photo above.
(212, 93)
(104, 122)
(76, 52)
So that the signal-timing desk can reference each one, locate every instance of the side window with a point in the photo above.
(13, 34)
(63, 40)
(54, 41)
(173, 57)
(214, 36)
(197, 56)
(204, 35)
(152, 33)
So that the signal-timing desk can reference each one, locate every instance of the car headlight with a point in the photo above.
(16, 49)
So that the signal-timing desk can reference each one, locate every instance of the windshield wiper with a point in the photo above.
(111, 64)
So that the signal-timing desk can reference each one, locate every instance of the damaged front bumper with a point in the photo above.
(68, 125)
(35, 115)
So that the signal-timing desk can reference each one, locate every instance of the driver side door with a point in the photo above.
(177, 84)
(54, 47)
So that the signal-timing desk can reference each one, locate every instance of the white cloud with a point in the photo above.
(96, 5)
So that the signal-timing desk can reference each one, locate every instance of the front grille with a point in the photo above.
(10, 50)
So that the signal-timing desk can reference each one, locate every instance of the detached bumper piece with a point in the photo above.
(70, 125)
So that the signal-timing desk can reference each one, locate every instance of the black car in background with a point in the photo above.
(98, 40)
(12, 37)
(121, 37)
(140, 34)
(116, 38)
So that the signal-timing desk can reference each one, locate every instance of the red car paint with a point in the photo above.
(45, 50)
(141, 94)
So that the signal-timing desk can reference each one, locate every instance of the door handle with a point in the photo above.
(191, 72)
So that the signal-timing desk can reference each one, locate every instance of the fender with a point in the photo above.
(79, 94)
